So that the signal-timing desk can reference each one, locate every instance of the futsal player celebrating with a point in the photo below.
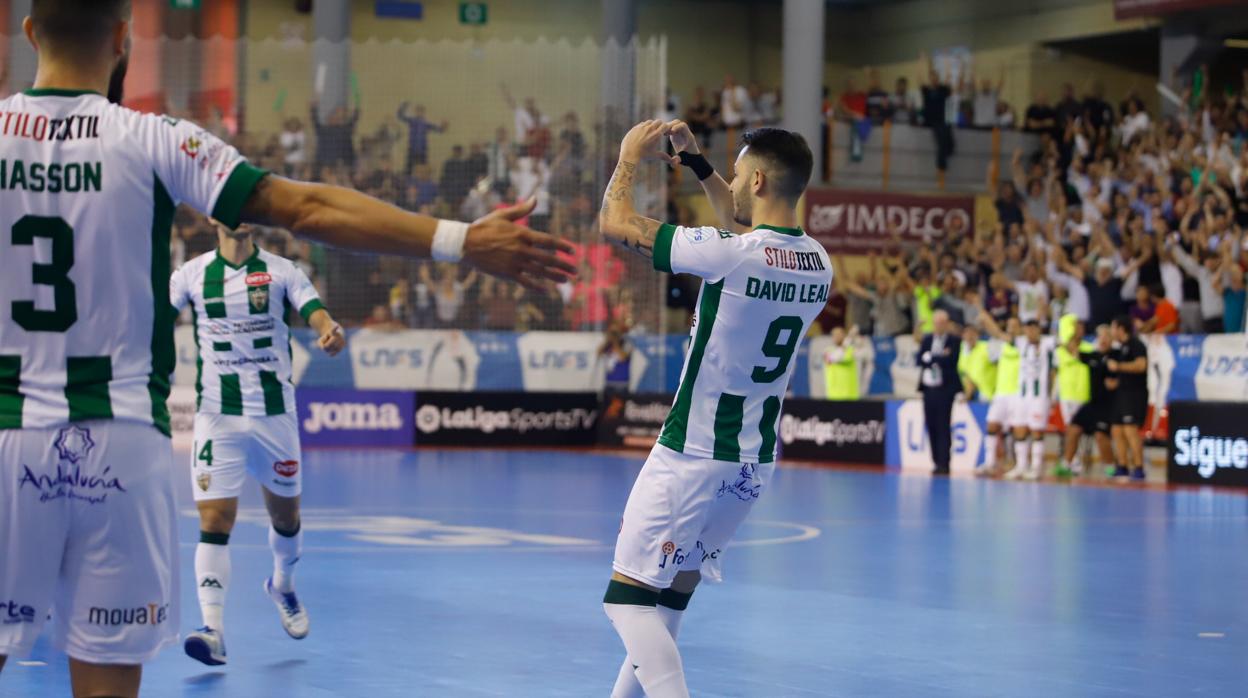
(240, 297)
(761, 291)
(86, 334)
(1003, 353)
(1028, 411)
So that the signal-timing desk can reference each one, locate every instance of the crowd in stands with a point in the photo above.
(1115, 211)
(554, 161)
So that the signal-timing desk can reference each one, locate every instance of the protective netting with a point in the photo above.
(452, 129)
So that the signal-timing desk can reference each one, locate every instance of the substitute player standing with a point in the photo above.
(761, 291)
(88, 525)
(1027, 413)
(241, 299)
(1003, 353)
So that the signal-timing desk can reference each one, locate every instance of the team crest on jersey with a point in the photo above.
(204, 480)
(191, 147)
(258, 296)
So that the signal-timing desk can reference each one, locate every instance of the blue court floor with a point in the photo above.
(480, 573)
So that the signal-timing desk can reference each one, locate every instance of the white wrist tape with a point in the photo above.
(448, 241)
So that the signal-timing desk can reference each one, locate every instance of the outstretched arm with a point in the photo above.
(715, 187)
(346, 218)
(990, 326)
(330, 337)
(619, 221)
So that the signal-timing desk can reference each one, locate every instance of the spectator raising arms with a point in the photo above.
(418, 130)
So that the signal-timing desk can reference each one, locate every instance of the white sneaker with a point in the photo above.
(983, 470)
(1015, 473)
(205, 645)
(294, 616)
(1033, 474)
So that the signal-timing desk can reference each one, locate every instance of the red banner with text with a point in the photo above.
(858, 222)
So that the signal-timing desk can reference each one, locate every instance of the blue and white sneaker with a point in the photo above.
(294, 616)
(205, 645)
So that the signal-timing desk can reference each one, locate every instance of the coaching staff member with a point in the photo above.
(1129, 364)
(939, 383)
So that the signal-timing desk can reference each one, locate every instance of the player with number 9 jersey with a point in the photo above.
(764, 281)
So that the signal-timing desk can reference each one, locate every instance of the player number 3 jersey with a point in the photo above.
(241, 315)
(87, 194)
(760, 293)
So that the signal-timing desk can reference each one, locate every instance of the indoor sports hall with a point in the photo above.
(1012, 456)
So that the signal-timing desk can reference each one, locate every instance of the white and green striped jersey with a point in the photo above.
(242, 329)
(1036, 365)
(760, 293)
(87, 194)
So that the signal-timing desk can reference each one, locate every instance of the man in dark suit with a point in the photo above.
(939, 383)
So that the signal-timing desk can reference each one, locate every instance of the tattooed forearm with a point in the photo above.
(620, 223)
(621, 187)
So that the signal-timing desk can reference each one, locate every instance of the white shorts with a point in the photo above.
(681, 513)
(228, 447)
(1001, 410)
(1031, 413)
(88, 531)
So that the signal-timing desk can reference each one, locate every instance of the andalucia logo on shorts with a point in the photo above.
(73, 444)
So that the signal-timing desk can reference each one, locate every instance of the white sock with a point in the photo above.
(626, 683)
(212, 578)
(990, 454)
(1020, 455)
(1037, 454)
(649, 644)
(286, 551)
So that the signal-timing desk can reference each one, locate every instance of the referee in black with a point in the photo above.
(940, 385)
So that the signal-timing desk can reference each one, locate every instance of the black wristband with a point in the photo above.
(694, 161)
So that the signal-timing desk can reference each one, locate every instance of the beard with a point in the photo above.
(117, 81)
(743, 209)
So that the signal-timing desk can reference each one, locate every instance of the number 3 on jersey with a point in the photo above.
(64, 311)
(782, 351)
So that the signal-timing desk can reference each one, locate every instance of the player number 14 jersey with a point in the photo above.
(242, 332)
